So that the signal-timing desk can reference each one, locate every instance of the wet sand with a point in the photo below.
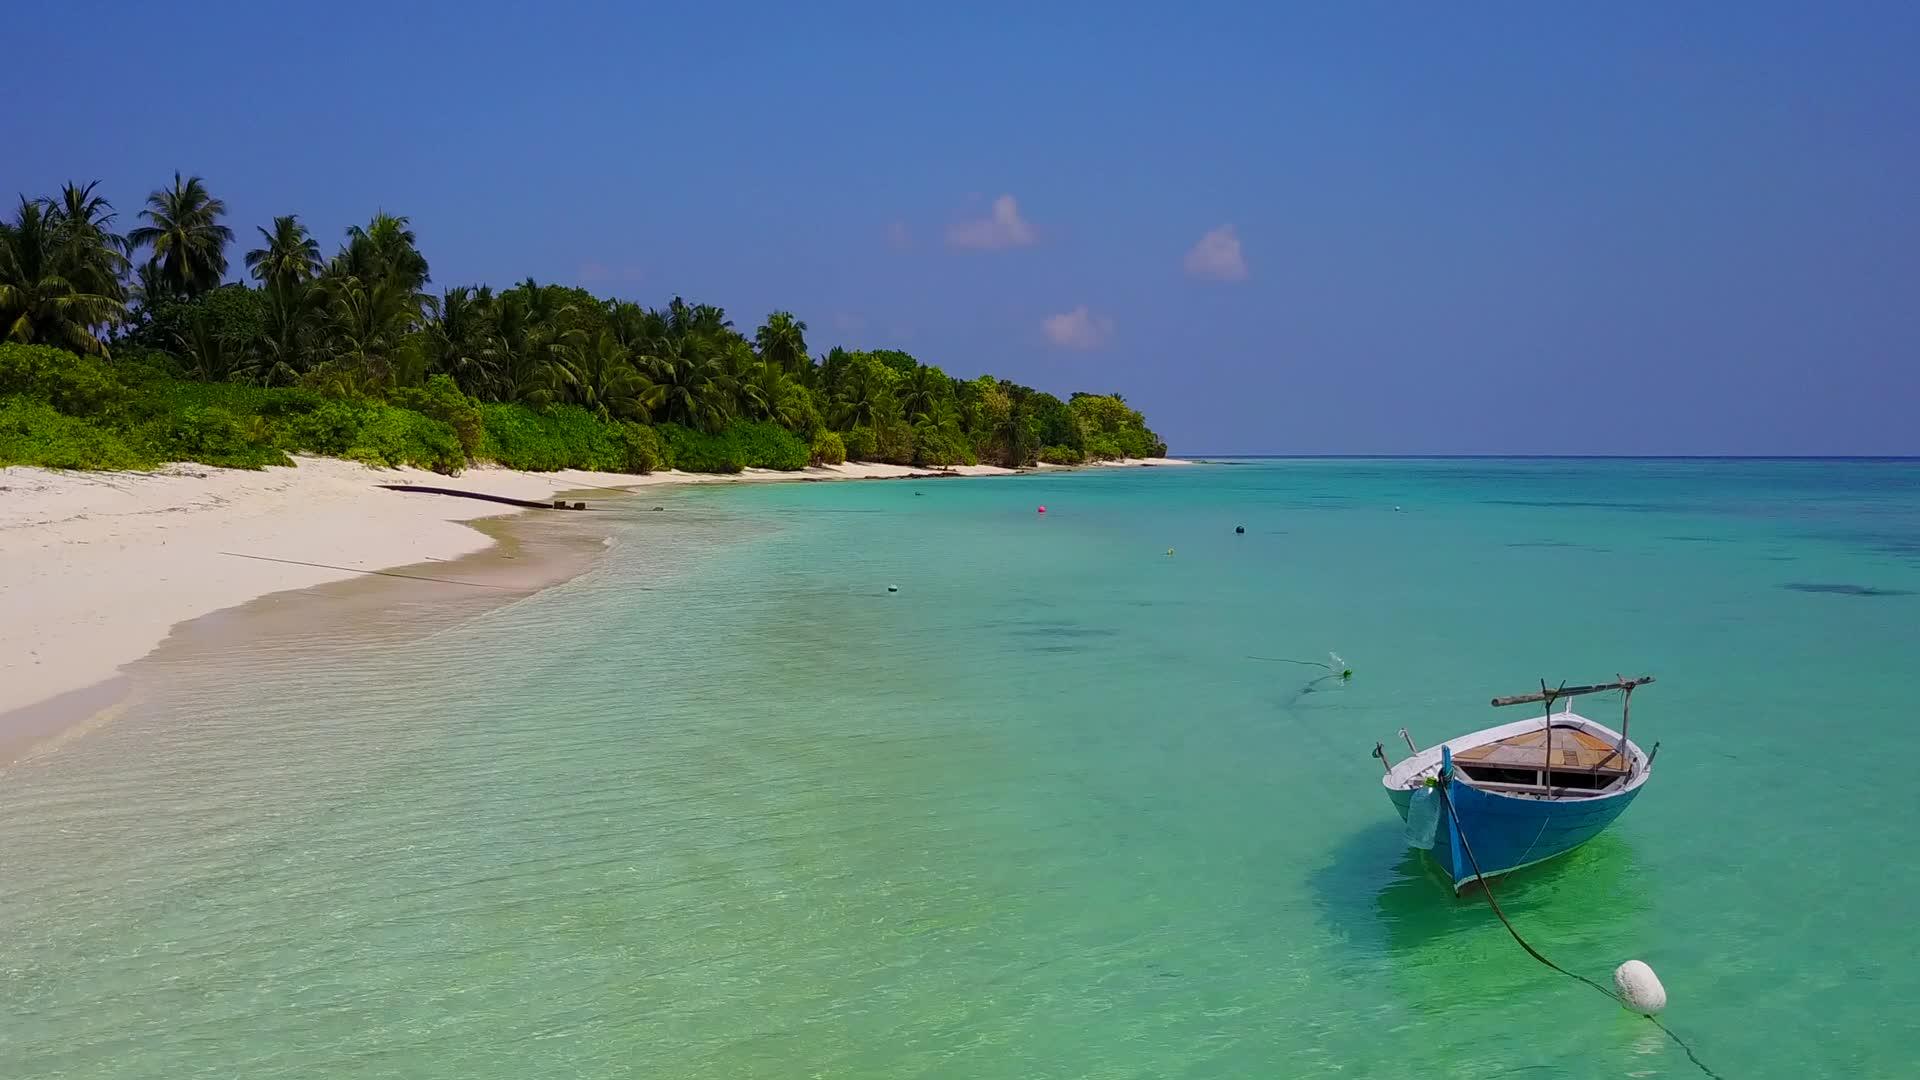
(528, 553)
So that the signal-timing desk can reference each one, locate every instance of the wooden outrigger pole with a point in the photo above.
(1621, 683)
(1571, 691)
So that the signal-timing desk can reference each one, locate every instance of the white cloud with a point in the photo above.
(1077, 329)
(1003, 228)
(899, 237)
(1217, 256)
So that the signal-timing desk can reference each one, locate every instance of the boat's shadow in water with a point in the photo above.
(1376, 890)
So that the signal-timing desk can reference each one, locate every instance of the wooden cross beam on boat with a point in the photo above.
(1545, 749)
(1572, 691)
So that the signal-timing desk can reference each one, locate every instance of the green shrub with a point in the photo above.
(442, 400)
(941, 445)
(543, 440)
(757, 445)
(893, 443)
(1113, 429)
(514, 436)
(1061, 455)
(34, 433)
(860, 444)
(393, 437)
(75, 385)
(329, 428)
(641, 448)
(233, 314)
(211, 435)
(697, 451)
(567, 437)
(828, 449)
(765, 445)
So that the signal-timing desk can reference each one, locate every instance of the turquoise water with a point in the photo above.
(724, 807)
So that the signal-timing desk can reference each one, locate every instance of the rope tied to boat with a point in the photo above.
(1487, 889)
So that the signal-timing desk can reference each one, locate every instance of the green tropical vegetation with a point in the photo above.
(128, 350)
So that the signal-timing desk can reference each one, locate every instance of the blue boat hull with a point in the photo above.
(1507, 833)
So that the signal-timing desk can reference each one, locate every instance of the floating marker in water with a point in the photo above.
(1239, 528)
(893, 588)
(1639, 988)
(1043, 510)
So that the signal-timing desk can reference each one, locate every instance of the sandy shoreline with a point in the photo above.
(97, 568)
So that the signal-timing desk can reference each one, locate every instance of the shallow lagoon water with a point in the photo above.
(725, 807)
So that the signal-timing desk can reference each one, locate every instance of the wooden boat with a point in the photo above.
(1496, 800)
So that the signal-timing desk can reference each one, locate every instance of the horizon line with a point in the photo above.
(1543, 457)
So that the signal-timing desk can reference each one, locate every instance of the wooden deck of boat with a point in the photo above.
(1572, 749)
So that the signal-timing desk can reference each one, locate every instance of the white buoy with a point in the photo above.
(1639, 988)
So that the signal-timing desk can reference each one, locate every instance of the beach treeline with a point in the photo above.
(129, 349)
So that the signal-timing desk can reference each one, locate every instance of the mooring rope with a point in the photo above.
(377, 573)
(1535, 953)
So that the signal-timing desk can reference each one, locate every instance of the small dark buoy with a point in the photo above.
(1240, 528)
(659, 508)
(893, 588)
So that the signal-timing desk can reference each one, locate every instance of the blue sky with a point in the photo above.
(1352, 228)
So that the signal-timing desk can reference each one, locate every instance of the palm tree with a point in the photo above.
(1014, 432)
(635, 326)
(832, 368)
(291, 256)
(208, 356)
(43, 294)
(737, 360)
(547, 306)
(95, 255)
(923, 391)
(385, 248)
(460, 332)
(601, 377)
(523, 349)
(696, 320)
(285, 348)
(694, 388)
(762, 389)
(865, 390)
(783, 341)
(368, 323)
(147, 288)
(189, 243)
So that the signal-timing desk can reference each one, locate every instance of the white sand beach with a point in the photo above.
(96, 568)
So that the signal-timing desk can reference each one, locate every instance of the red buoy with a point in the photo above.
(1043, 509)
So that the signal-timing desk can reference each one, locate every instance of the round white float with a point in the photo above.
(1639, 988)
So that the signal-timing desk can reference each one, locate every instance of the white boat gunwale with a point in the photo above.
(1412, 772)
